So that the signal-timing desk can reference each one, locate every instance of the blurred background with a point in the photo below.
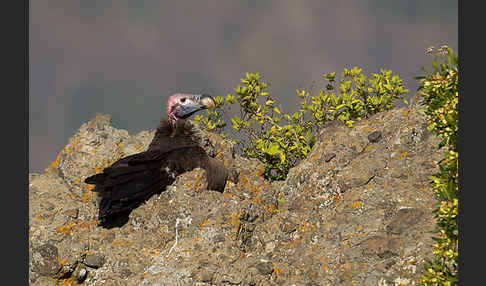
(125, 57)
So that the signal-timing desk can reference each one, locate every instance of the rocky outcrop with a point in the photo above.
(357, 211)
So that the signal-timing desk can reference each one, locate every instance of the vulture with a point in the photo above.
(174, 150)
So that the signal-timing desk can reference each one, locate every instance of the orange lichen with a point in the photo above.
(413, 260)
(257, 200)
(64, 229)
(403, 155)
(307, 191)
(98, 169)
(55, 163)
(119, 152)
(219, 152)
(67, 281)
(272, 209)
(228, 195)
(294, 243)
(365, 268)
(204, 223)
(355, 205)
(121, 243)
(75, 226)
(261, 169)
(254, 189)
(337, 198)
(86, 196)
(243, 180)
(278, 271)
(235, 221)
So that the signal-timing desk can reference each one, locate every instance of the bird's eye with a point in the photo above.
(183, 99)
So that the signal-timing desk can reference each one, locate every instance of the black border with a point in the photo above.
(471, 145)
(461, 56)
(15, 133)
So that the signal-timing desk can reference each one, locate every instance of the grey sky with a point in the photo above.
(126, 57)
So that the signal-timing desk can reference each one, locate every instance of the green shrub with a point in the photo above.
(260, 126)
(439, 95)
(280, 140)
(358, 96)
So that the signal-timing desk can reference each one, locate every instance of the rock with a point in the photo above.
(207, 276)
(404, 219)
(329, 157)
(94, 260)
(375, 136)
(44, 260)
(265, 268)
(80, 274)
(351, 213)
(383, 247)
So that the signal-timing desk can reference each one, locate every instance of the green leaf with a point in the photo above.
(273, 149)
(435, 66)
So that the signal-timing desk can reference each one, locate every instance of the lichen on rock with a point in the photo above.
(356, 211)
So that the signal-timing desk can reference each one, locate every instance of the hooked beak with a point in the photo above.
(195, 103)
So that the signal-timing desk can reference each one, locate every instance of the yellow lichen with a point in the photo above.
(355, 205)
(228, 195)
(278, 271)
(235, 221)
(204, 223)
(272, 209)
(337, 198)
(64, 229)
(403, 155)
(67, 281)
(86, 196)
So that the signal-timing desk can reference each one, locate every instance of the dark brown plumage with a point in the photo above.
(135, 178)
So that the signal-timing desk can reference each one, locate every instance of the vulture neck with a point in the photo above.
(174, 130)
(181, 127)
(169, 138)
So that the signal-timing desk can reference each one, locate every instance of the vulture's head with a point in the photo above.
(181, 105)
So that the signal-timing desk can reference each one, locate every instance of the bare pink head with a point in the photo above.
(182, 105)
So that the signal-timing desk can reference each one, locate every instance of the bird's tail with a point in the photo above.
(123, 190)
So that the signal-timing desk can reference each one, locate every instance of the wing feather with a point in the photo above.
(135, 178)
